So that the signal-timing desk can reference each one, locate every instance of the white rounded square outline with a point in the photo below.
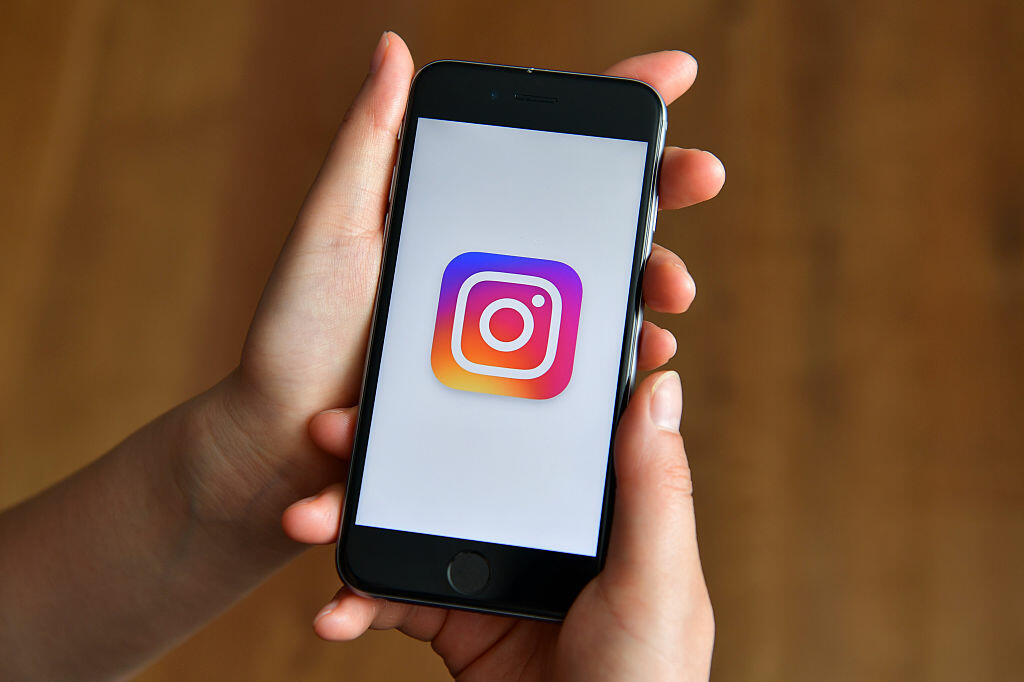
(512, 278)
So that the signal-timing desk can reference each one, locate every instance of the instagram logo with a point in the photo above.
(506, 325)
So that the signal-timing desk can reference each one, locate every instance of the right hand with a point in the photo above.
(647, 616)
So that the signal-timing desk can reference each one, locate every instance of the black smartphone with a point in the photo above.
(504, 339)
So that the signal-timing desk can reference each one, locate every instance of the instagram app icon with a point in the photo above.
(506, 325)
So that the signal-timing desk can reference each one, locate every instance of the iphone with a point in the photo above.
(503, 344)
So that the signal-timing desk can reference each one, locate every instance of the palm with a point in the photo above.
(481, 647)
(306, 345)
(484, 647)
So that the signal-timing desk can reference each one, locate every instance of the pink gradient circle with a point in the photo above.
(485, 325)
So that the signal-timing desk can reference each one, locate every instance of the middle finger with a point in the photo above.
(668, 286)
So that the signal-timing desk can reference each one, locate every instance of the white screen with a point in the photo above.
(478, 465)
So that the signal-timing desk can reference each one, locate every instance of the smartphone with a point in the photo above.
(504, 339)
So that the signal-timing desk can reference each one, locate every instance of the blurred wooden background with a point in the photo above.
(852, 366)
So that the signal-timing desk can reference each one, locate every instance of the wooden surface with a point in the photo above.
(852, 366)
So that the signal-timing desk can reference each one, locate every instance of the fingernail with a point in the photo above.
(330, 606)
(667, 402)
(333, 410)
(378, 54)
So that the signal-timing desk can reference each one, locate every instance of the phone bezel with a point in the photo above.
(411, 567)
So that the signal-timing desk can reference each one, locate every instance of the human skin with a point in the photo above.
(110, 567)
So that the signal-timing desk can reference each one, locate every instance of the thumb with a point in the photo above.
(307, 338)
(350, 192)
(653, 532)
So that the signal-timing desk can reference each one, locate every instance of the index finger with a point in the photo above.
(670, 72)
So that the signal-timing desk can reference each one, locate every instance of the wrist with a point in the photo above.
(243, 462)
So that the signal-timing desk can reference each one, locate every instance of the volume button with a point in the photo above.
(394, 175)
(652, 226)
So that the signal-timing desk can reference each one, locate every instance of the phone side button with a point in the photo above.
(468, 573)
(394, 176)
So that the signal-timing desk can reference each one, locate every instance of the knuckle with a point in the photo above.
(676, 478)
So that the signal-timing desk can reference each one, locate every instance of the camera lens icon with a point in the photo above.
(507, 303)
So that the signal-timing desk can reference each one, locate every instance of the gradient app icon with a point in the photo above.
(506, 325)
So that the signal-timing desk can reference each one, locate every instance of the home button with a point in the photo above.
(468, 572)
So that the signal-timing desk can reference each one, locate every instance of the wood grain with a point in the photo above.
(852, 366)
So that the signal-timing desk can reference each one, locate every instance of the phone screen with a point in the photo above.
(496, 391)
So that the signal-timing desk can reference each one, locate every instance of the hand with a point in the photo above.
(645, 617)
(306, 346)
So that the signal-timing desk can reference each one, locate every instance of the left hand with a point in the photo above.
(305, 349)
